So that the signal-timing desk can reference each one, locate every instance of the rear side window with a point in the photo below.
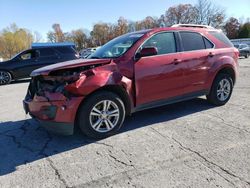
(164, 42)
(192, 41)
(47, 52)
(221, 37)
(66, 50)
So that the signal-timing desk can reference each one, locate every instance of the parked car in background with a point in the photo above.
(85, 53)
(22, 64)
(244, 49)
(133, 72)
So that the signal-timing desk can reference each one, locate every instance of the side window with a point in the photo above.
(44, 52)
(66, 50)
(192, 41)
(221, 37)
(208, 44)
(164, 42)
(28, 55)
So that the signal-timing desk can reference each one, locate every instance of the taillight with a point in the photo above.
(237, 53)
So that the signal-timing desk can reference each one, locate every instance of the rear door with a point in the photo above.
(197, 56)
(47, 57)
(66, 53)
(159, 77)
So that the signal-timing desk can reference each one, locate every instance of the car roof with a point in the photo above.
(194, 29)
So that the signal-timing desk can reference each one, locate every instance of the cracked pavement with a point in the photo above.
(189, 144)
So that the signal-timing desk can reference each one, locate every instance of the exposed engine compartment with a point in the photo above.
(56, 81)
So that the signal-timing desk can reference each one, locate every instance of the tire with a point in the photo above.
(5, 77)
(216, 94)
(247, 55)
(98, 123)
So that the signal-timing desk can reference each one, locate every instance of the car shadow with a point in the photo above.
(23, 142)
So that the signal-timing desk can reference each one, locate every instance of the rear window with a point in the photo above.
(66, 50)
(192, 41)
(221, 37)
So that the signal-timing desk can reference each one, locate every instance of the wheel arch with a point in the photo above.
(227, 70)
(116, 89)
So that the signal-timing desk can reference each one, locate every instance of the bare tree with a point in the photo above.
(37, 37)
(210, 13)
(182, 13)
(232, 28)
(122, 26)
(58, 33)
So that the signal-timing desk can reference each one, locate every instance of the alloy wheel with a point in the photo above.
(5, 77)
(104, 116)
(223, 89)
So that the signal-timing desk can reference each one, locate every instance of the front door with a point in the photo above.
(159, 77)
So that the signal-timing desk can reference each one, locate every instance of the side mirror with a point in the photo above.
(147, 51)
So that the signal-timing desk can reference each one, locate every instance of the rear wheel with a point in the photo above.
(247, 55)
(102, 115)
(5, 77)
(221, 90)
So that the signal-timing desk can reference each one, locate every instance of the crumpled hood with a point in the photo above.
(67, 65)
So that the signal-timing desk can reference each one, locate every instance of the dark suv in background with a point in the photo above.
(21, 65)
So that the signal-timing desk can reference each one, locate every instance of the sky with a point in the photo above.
(39, 15)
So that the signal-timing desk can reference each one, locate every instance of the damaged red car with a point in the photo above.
(133, 72)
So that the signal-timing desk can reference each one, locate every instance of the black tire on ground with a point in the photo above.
(213, 96)
(5, 77)
(247, 55)
(97, 100)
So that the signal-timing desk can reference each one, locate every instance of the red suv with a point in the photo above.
(133, 72)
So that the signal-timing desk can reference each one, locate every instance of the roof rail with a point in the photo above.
(193, 25)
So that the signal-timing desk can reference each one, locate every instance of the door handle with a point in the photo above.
(211, 54)
(176, 61)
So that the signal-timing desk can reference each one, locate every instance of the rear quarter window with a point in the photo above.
(221, 37)
(208, 44)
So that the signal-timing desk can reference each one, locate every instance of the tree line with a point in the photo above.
(14, 39)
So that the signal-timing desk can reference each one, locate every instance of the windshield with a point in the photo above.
(117, 46)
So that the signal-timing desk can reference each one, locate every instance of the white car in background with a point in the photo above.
(85, 53)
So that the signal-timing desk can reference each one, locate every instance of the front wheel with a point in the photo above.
(5, 77)
(247, 55)
(101, 115)
(221, 90)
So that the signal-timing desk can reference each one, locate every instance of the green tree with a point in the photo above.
(245, 31)
(14, 40)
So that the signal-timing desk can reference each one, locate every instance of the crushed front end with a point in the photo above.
(49, 101)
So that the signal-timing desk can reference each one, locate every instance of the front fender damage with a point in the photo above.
(93, 80)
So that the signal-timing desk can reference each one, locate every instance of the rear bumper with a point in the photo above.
(55, 116)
